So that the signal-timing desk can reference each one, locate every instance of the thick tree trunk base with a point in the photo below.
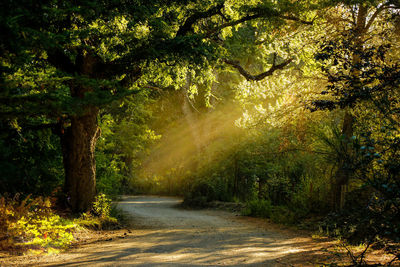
(78, 143)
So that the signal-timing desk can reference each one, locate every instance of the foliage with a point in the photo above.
(90, 221)
(126, 137)
(270, 170)
(30, 161)
(62, 62)
(258, 208)
(200, 194)
(102, 206)
(364, 79)
(103, 215)
(30, 223)
(191, 102)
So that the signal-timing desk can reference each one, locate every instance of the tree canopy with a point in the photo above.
(290, 106)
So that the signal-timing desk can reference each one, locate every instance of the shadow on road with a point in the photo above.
(176, 237)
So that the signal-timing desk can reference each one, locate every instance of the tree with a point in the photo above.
(61, 61)
(359, 24)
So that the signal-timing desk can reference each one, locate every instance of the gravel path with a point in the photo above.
(165, 235)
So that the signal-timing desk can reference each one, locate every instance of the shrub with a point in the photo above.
(282, 214)
(258, 208)
(100, 215)
(31, 223)
(47, 232)
(200, 194)
(102, 206)
(264, 209)
(310, 196)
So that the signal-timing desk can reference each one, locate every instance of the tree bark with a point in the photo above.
(78, 146)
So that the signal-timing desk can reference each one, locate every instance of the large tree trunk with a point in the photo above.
(78, 146)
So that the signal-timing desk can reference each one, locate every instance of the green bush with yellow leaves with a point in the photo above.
(32, 224)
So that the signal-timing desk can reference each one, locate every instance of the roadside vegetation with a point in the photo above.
(291, 107)
(35, 226)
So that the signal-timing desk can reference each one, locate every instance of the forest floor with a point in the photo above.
(165, 234)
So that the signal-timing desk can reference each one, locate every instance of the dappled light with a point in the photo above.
(223, 241)
(161, 249)
(220, 132)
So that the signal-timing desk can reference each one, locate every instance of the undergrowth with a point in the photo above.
(32, 225)
(264, 209)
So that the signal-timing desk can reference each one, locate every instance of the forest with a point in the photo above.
(290, 107)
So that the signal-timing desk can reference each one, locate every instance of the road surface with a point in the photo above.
(164, 234)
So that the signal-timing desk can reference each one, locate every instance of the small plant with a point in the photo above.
(102, 206)
(100, 216)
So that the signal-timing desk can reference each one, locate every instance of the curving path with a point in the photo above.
(165, 235)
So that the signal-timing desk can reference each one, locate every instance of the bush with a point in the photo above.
(258, 208)
(310, 196)
(102, 206)
(109, 175)
(31, 223)
(200, 194)
(282, 214)
(264, 209)
(100, 216)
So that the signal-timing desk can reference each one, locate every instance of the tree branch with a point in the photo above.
(233, 23)
(376, 13)
(260, 76)
(187, 26)
(256, 16)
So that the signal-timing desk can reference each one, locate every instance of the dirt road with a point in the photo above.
(166, 235)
